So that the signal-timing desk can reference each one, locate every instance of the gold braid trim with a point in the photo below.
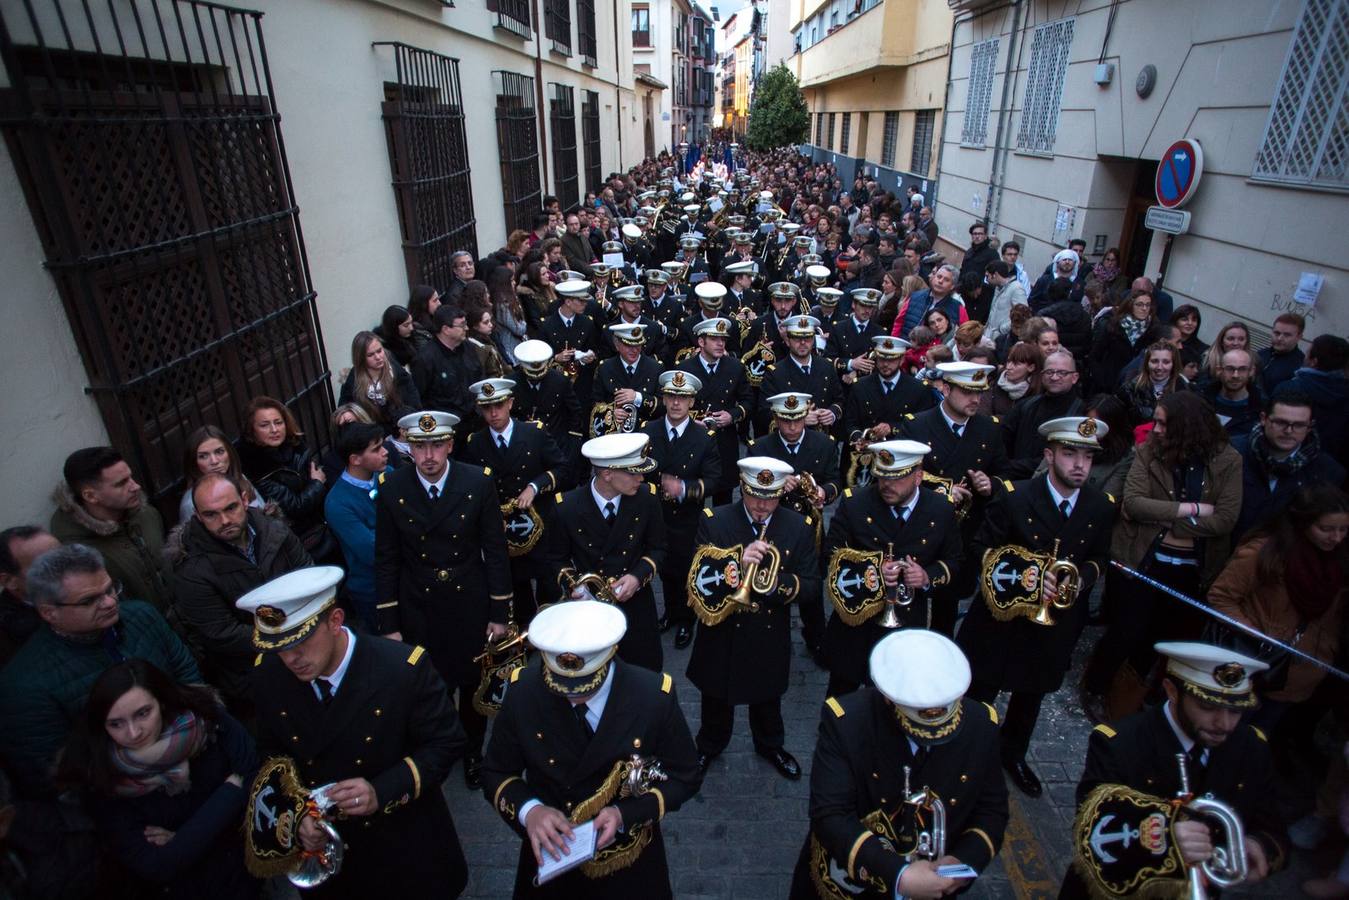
(496, 797)
(987, 840)
(416, 775)
(856, 848)
(627, 846)
(825, 886)
(590, 807)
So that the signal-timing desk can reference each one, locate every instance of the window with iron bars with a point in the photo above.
(590, 137)
(1306, 140)
(557, 24)
(428, 152)
(158, 184)
(585, 32)
(518, 149)
(562, 112)
(889, 138)
(819, 129)
(924, 122)
(847, 133)
(513, 16)
(983, 63)
(829, 138)
(641, 26)
(1044, 86)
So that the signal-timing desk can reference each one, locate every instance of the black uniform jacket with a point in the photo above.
(582, 334)
(725, 389)
(817, 453)
(391, 723)
(633, 545)
(539, 751)
(869, 405)
(694, 459)
(746, 657)
(858, 769)
(1020, 655)
(864, 521)
(825, 390)
(550, 400)
(442, 571)
(531, 457)
(612, 375)
(1140, 752)
(846, 341)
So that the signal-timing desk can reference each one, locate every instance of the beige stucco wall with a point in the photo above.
(328, 84)
(1218, 66)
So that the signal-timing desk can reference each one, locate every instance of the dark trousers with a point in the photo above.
(811, 609)
(524, 604)
(840, 686)
(674, 587)
(718, 720)
(1023, 709)
(1138, 616)
(475, 723)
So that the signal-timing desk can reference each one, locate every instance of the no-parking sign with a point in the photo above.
(1178, 173)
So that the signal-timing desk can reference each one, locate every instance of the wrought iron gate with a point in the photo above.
(518, 146)
(563, 114)
(146, 138)
(590, 136)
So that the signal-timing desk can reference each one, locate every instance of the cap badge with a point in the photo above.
(888, 344)
(1087, 427)
(427, 423)
(886, 458)
(979, 377)
(721, 326)
(678, 380)
(932, 712)
(570, 661)
(791, 402)
(802, 323)
(488, 390)
(1229, 675)
(270, 616)
(765, 478)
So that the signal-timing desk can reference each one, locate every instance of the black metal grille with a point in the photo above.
(428, 153)
(590, 137)
(585, 31)
(518, 146)
(562, 112)
(151, 159)
(557, 24)
(513, 16)
(924, 123)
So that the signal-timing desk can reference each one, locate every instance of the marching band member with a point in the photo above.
(726, 398)
(628, 381)
(805, 371)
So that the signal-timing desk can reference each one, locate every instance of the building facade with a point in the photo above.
(874, 76)
(1060, 114)
(193, 220)
(672, 41)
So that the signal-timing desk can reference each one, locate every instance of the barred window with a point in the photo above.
(590, 136)
(585, 31)
(518, 146)
(847, 132)
(562, 111)
(829, 142)
(1044, 86)
(889, 138)
(983, 63)
(1306, 139)
(641, 26)
(819, 129)
(512, 16)
(557, 24)
(924, 123)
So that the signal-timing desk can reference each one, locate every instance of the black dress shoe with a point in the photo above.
(663, 624)
(784, 762)
(817, 655)
(1094, 706)
(703, 762)
(683, 636)
(473, 771)
(1024, 777)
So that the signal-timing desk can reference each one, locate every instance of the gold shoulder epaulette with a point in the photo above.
(652, 487)
(835, 707)
(707, 512)
(257, 661)
(515, 674)
(847, 492)
(415, 655)
(666, 683)
(995, 419)
(992, 713)
(558, 496)
(470, 438)
(1260, 734)
(751, 443)
(487, 470)
(711, 433)
(1109, 496)
(1108, 731)
(908, 415)
(809, 520)
(381, 477)
(1007, 484)
(538, 425)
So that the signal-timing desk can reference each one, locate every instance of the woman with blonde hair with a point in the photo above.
(1158, 376)
(1232, 336)
(907, 287)
(536, 293)
(378, 384)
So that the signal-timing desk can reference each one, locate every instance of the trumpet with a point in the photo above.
(593, 586)
(810, 490)
(316, 867)
(569, 368)
(757, 578)
(630, 420)
(899, 595)
(925, 804)
(863, 439)
(1069, 583)
(1227, 866)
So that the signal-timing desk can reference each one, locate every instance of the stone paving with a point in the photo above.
(740, 836)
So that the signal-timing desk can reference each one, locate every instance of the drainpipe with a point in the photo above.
(998, 172)
(618, 92)
(946, 106)
(538, 92)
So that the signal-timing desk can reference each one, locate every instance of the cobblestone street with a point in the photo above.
(740, 836)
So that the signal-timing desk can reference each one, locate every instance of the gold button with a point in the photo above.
(283, 713)
(379, 712)
(953, 801)
(637, 743)
(358, 762)
(551, 761)
(964, 778)
(368, 739)
(295, 739)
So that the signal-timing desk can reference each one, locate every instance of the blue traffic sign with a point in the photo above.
(1178, 173)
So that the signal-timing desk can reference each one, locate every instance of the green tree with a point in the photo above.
(778, 116)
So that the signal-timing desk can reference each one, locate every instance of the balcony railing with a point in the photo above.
(514, 16)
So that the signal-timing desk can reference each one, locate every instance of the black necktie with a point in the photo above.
(711, 370)
(1066, 508)
(957, 428)
(610, 511)
(674, 434)
(885, 387)
(805, 370)
(580, 710)
(434, 492)
(791, 448)
(325, 690)
(501, 441)
(632, 370)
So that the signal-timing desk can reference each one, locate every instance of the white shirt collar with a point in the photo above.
(1186, 742)
(950, 422)
(906, 509)
(707, 366)
(679, 429)
(600, 500)
(767, 522)
(807, 365)
(440, 485)
(595, 705)
(566, 321)
(506, 433)
(1059, 498)
(335, 680)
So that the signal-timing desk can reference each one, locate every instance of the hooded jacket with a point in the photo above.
(1329, 392)
(131, 548)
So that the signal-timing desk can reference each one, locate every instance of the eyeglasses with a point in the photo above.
(1053, 374)
(113, 590)
(1285, 425)
(1236, 370)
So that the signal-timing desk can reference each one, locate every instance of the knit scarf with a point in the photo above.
(163, 764)
(1312, 578)
(1133, 328)
(1105, 274)
(1292, 463)
(1015, 391)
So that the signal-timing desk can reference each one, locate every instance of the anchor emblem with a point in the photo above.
(846, 586)
(520, 525)
(706, 580)
(1100, 838)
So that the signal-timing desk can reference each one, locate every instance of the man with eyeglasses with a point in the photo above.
(1236, 396)
(1058, 397)
(980, 253)
(1279, 456)
(86, 629)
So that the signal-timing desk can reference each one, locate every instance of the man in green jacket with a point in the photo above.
(101, 504)
(86, 628)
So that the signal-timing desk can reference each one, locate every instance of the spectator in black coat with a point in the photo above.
(1236, 398)
(1322, 379)
(1282, 358)
(284, 470)
(1119, 339)
(163, 767)
(978, 256)
(1070, 318)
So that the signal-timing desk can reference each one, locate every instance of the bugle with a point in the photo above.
(1227, 866)
(899, 595)
(591, 585)
(926, 807)
(1068, 583)
(758, 578)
